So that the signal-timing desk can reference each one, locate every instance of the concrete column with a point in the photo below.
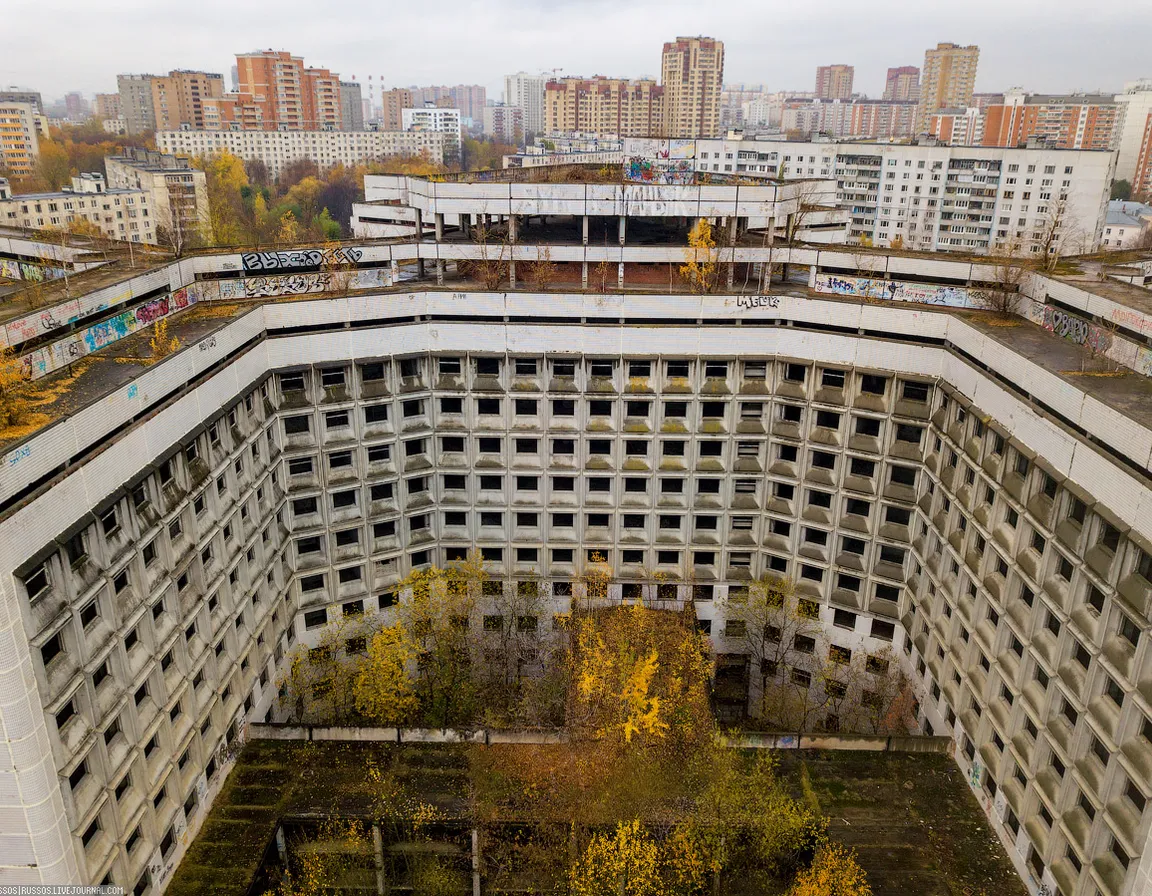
(732, 225)
(622, 229)
(770, 241)
(513, 228)
(419, 225)
(420, 268)
(585, 230)
(439, 227)
(466, 225)
(378, 849)
(620, 274)
(439, 271)
(475, 862)
(394, 272)
(584, 274)
(512, 274)
(811, 276)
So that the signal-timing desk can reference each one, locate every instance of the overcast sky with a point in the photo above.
(1042, 45)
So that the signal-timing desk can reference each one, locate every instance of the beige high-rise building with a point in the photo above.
(693, 74)
(947, 80)
(902, 83)
(393, 103)
(834, 82)
(178, 98)
(605, 106)
(108, 105)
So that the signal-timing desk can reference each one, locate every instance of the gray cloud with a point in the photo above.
(1045, 46)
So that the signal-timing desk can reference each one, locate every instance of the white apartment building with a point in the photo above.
(1132, 143)
(178, 192)
(326, 148)
(1127, 225)
(432, 119)
(942, 198)
(527, 91)
(122, 214)
(504, 123)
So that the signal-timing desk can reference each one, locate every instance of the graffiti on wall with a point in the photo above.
(656, 171)
(292, 284)
(76, 345)
(896, 290)
(11, 269)
(653, 148)
(758, 301)
(300, 258)
(1133, 320)
(1075, 329)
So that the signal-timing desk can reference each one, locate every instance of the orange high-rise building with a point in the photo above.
(287, 94)
(1078, 121)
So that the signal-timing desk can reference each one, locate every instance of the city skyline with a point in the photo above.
(1061, 53)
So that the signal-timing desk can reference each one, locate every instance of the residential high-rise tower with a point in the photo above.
(693, 74)
(902, 83)
(947, 80)
(834, 82)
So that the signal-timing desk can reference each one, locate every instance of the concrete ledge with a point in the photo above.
(353, 733)
(908, 744)
(527, 737)
(278, 731)
(441, 736)
(836, 742)
(754, 740)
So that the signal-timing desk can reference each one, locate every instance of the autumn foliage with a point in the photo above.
(834, 872)
(639, 674)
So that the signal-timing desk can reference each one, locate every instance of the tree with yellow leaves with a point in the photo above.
(383, 690)
(542, 271)
(436, 611)
(161, 343)
(15, 386)
(225, 177)
(639, 675)
(289, 230)
(625, 862)
(834, 872)
(701, 268)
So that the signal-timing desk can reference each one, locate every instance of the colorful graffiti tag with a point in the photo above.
(11, 269)
(76, 345)
(650, 171)
(896, 290)
(299, 258)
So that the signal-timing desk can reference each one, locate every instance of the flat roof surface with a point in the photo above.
(31, 297)
(911, 817)
(100, 373)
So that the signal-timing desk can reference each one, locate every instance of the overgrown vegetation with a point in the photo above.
(460, 648)
(644, 797)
